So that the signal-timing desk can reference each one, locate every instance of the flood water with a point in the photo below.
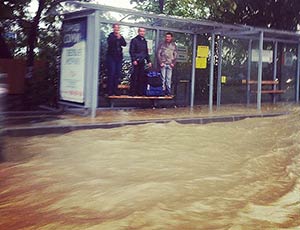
(235, 176)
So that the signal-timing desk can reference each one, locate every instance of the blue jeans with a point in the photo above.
(166, 73)
(114, 68)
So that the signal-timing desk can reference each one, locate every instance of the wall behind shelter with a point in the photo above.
(16, 71)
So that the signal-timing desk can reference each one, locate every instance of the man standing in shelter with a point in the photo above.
(115, 42)
(166, 56)
(139, 56)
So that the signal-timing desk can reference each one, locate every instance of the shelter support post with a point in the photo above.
(95, 61)
(193, 71)
(156, 65)
(275, 68)
(249, 71)
(211, 74)
(259, 74)
(219, 86)
(298, 75)
(88, 64)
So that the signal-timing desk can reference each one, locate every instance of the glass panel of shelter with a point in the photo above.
(234, 69)
(181, 74)
(288, 71)
(286, 58)
(267, 70)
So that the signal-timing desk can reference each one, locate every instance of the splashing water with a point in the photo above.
(239, 175)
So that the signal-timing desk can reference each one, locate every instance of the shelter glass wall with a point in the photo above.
(287, 71)
(286, 58)
(128, 32)
(202, 75)
(235, 57)
(234, 70)
(267, 69)
(181, 79)
(235, 67)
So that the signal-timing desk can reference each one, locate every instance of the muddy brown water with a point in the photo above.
(237, 175)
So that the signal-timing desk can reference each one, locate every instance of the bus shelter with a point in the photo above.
(217, 63)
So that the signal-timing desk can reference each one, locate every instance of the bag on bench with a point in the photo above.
(154, 78)
(154, 84)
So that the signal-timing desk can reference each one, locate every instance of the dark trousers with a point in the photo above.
(138, 80)
(114, 68)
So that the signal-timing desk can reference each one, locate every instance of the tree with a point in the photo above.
(11, 13)
(43, 13)
(15, 15)
(277, 14)
(185, 8)
(38, 34)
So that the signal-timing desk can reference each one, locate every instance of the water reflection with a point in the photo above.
(240, 175)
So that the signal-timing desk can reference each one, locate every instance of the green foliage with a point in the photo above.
(185, 8)
(277, 14)
(38, 38)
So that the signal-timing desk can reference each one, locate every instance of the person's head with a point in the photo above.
(142, 31)
(168, 37)
(116, 28)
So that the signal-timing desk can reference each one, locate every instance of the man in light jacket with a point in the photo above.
(166, 56)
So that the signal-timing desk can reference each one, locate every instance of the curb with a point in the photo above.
(59, 129)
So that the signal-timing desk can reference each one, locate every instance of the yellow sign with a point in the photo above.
(223, 79)
(201, 63)
(202, 51)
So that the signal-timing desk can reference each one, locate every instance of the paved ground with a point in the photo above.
(107, 118)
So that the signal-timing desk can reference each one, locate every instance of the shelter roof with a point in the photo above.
(179, 24)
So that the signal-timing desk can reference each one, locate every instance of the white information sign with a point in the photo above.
(267, 55)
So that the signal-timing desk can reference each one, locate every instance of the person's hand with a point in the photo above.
(149, 64)
(172, 65)
(135, 62)
(119, 36)
(162, 64)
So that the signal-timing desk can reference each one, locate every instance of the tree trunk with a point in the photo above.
(4, 49)
(161, 6)
(32, 38)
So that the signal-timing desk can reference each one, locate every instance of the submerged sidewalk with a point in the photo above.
(43, 122)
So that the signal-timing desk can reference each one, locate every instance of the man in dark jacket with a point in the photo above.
(114, 58)
(139, 55)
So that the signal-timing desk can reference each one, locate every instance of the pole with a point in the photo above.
(211, 74)
(95, 73)
(219, 88)
(249, 71)
(259, 75)
(275, 68)
(298, 75)
(193, 71)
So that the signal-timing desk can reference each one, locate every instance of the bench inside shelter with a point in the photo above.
(269, 90)
(124, 96)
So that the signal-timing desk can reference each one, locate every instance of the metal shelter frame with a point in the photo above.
(176, 24)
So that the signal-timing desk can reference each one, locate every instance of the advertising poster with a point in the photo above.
(73, 61)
